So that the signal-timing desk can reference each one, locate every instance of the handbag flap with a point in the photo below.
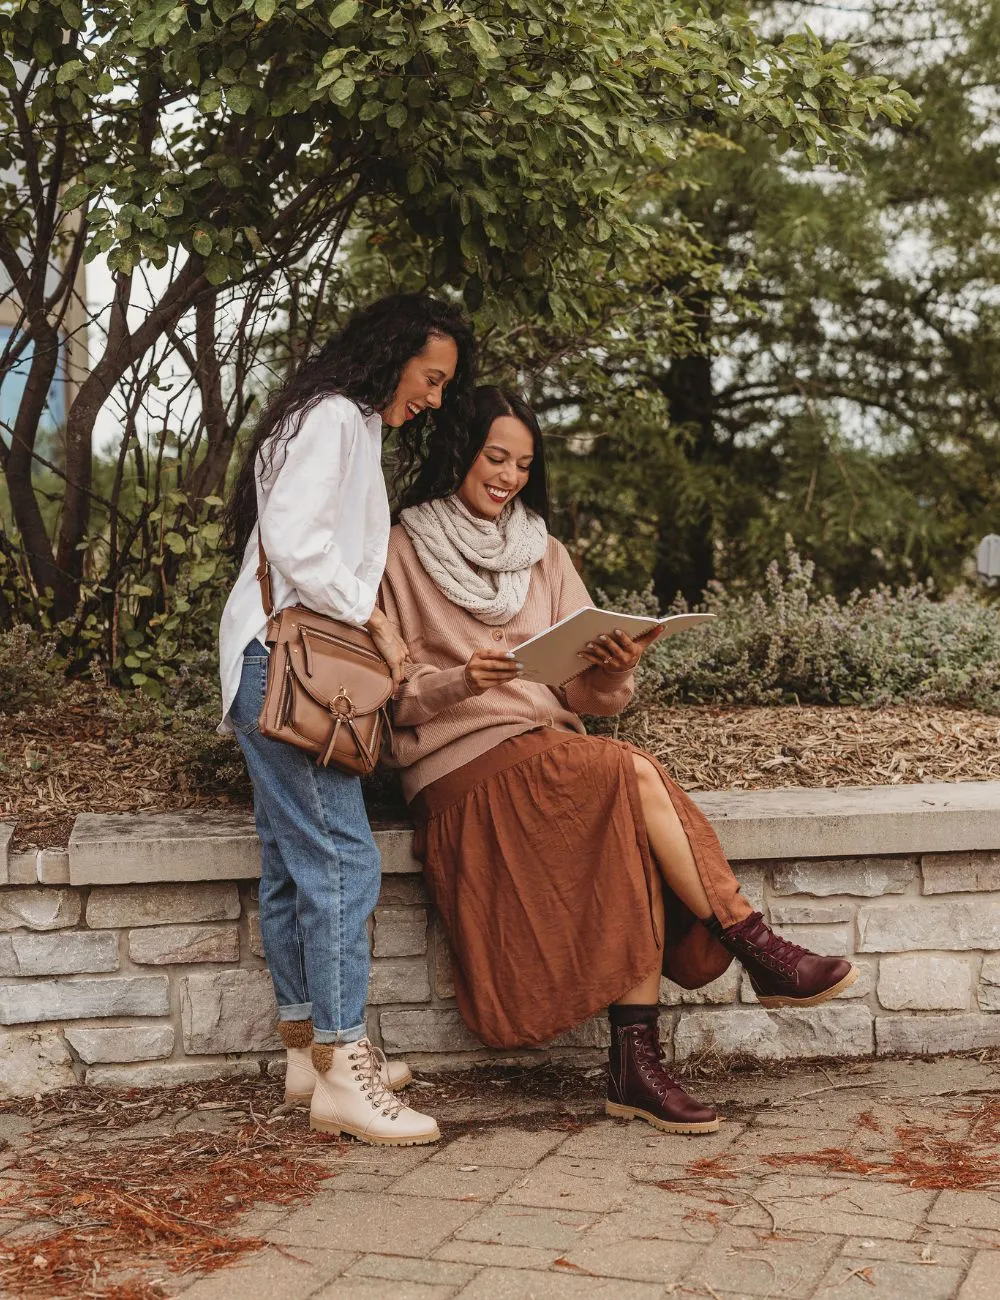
(337, 672)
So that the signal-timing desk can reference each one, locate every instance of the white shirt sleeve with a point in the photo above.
(310, 505)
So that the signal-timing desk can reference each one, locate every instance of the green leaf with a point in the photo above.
(145, 24)
(231, 176)
(75, 195)
(239, 98)
(433, 21)
(68, 71)
(396, 116)
(202, 241)
(342, 90)
(72, 14)
(171, 205)
(415, 179)
(217, 269)
(175, 542)
(481, 41)
(264, 9)
(343, 13)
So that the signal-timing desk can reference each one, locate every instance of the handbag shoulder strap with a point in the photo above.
(264, 579)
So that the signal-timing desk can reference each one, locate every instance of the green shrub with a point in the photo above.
(790, 644)
(30, 671)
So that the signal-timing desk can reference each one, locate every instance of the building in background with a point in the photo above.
(73, 362)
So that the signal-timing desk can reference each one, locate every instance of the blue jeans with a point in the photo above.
(319, 872)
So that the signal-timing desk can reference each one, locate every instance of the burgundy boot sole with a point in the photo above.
(780, 1000)
(619, 1111)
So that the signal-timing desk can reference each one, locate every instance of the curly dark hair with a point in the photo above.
(363, 362)
(438, 468)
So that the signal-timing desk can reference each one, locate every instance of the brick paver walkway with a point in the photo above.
(558, 1203)
(876, 1179)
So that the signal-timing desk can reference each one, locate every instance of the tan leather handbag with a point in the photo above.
(327, 685)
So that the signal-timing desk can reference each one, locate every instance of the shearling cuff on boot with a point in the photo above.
(295, 1033)
(322, 1057)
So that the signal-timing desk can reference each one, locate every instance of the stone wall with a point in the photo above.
(134, 958)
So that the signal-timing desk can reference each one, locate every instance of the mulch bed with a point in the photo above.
(57, 762)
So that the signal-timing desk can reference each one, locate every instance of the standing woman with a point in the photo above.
(312, 488)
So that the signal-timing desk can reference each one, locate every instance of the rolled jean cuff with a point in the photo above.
(297, 1011)
(340, 1035)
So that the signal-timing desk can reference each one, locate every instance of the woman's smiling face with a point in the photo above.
(500, 470)
(423, 380)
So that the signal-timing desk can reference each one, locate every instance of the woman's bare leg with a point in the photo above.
(648, 992)
(667, 840)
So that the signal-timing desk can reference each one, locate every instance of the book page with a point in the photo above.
(553, 656)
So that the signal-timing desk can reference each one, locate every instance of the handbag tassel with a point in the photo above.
(327, 754)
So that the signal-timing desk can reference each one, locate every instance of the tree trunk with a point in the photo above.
(19, 462)
(124, 347)
(684, 555)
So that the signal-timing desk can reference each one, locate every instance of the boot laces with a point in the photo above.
(370, 1069)
(757, 932)
(650, 1056)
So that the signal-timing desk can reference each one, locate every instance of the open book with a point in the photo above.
(553, 656)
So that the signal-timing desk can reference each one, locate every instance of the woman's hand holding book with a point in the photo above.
(617, 652)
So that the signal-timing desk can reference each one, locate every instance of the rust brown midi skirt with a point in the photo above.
(536, 857)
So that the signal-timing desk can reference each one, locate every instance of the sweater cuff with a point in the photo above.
(430, 693)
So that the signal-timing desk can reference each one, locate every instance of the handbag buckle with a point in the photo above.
(341, 705)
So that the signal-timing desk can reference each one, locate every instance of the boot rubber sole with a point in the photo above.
(337, 1130)
(619, 1111)
(779, 999)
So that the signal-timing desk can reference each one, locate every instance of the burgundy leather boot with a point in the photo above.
(640, 1088)
(782, 973)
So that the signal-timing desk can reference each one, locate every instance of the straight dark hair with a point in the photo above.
(362, 362)
(436, 474)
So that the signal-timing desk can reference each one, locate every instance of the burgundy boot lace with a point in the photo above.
(649, 1057)
(782, 950)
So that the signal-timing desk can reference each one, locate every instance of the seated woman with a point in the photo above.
(569, 870)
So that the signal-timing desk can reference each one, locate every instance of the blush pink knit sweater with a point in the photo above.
(438, 724)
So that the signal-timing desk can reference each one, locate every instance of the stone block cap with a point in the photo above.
(753, 825)
(215, 844)
(855, 821)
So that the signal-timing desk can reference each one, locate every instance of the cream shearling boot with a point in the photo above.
(350, 1096)
(300, 1077)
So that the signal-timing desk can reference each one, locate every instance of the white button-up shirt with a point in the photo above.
(323, 515)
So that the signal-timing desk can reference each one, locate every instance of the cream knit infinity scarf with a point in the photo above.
(482, 565)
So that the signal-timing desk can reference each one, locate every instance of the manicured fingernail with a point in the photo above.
(520, 665)
(509, 654)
